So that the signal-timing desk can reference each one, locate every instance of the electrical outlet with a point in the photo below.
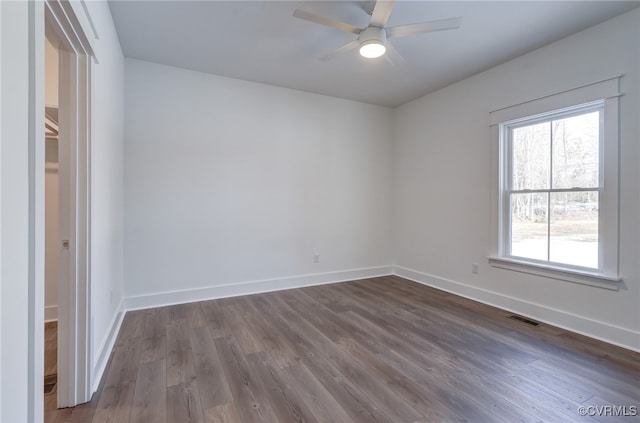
(316, 258)
(475, 269)
(111, 296)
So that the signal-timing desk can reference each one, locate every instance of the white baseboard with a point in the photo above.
(251, 287)
(51, 313)
(592, 328)
(101, 356)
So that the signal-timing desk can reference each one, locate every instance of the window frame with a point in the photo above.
(548, 108)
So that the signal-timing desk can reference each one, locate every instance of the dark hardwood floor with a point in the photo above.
(50, 368)
(376, 350)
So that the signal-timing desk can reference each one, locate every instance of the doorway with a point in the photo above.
(52, 238)
(67, 170)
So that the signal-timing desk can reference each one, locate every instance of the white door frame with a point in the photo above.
(74, 295)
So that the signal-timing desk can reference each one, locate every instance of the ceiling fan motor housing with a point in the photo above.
(372, 34)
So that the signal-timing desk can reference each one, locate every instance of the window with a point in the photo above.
(558, 193)
(551, 187)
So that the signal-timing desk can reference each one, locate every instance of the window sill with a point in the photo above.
(586, 278)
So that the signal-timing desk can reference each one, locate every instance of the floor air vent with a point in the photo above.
(524, 320)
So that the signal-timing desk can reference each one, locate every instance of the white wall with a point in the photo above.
(14, 218)
(21, 211)
(50, 75)
(107, 220)
(442, 183)
(52, 244)
(230, 181)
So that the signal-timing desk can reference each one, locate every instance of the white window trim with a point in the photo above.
(549, 271)
(607, 276)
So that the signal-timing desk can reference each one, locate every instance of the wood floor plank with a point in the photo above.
(183, 403)
(248, 393)
(285, 401)
(428, 406)
(610, 370)
(115, 403)
(212, 383)
(153, 349)
(194, 314)
(62, 416)
(180, 367)
(610, 354)
(237, 325)
(417, 327)
(371, 385)
(603, 387)
(176, 312)
(50, 348)
(214, 318)
(154, 337)
(526, 338)
(334, 301)
(340, 387)
(150, 396)
(323, 406)
(225, 413)
(279, 350)
(431, 372)
(132, 328)
(504, 384)
(125, 362)
(357, 341)
(156, 322)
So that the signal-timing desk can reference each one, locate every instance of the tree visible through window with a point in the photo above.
(552, 187)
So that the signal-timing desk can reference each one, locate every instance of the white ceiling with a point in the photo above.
(261, 41)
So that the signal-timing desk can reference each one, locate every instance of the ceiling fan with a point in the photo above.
(372, 40)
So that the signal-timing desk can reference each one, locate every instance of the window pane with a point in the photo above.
(529, 226)
(574, 228)
(576, 151)
(531, 156)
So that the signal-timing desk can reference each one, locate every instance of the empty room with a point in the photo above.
(319, 211)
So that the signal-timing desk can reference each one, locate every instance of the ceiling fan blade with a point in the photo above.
(393, 56)
(349, 46)
(381, 13)
(312, 17)
(421, 28)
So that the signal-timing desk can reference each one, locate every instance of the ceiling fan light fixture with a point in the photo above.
(372, 49)
(372, 42)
